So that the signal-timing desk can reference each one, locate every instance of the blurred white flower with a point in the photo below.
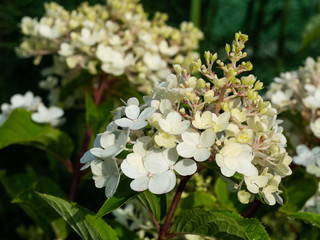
(50, 115)
(49, 32)
(306, 156)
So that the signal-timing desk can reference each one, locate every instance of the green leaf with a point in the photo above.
(157, 204)
(299, 187)
(311, 32)
(211, 224)
(21, 188)
(122, 231)
(97, 116)
(199, 200)
(220, 224)
(308, 217)
(123, 194)
(20, 129)
(80, 219)
(224, 195)
(254, 229)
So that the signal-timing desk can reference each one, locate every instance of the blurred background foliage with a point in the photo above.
(282, 33)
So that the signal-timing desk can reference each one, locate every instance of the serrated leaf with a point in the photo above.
(157, 204)
(80, 219)
(220, 224)
(299, 188)
(202, 222)
(21, 188)
(20, 129)
(97, 116)
(254, 229)
(122, 231)
(311, 31)
(122, 195)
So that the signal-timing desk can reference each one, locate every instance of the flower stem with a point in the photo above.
(163, 234)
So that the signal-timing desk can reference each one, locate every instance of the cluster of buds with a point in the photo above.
(116, 39)
(40, 113)
(189, 121)
(299, 91)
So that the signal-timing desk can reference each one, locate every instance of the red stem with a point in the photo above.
(163, 234)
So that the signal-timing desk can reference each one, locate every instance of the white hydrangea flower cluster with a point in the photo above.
(189, 121)
(116, 39)
(40, 113)
(300, 91)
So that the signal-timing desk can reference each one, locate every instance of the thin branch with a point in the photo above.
(163, 234)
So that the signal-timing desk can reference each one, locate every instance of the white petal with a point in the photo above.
(96, 152)
(99, 181)
(185, 150)
(227, 172)
(165, 125)
(107, 139)
(110, 151)
(87, 157)
(160, 183)
(140, 184)
(165, 106)
(138, 125)
(55, 112)
(132, 111)
(133, 101)
(122, 139)
(170, 155)
(185, 167)
(147, 113)
(202, 154)
(302, 149)
(174, 119)
(131, 171)
(191, 137)
(207, 138)
(112, 185)
(124, 122)
(173, 180)
(156, 163)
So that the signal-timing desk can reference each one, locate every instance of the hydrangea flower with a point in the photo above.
(196, 145)
(236, 157)
(190, 120)
(121, 42)
(105, 174)
(111, 144)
